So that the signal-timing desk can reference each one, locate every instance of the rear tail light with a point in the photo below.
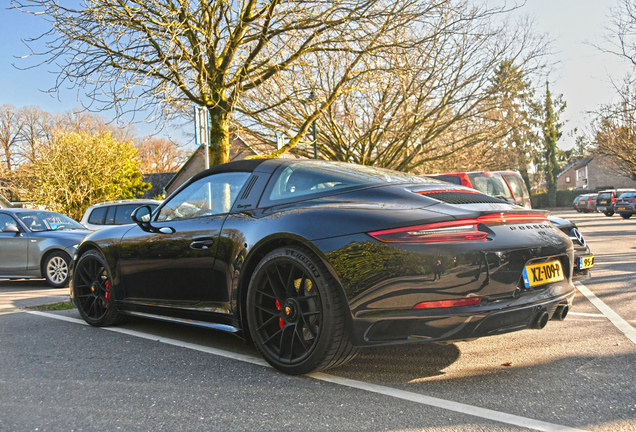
(590, 200)
(461, 230)
(613, 199)
(632, 200)
(472, 301)
(515, 217)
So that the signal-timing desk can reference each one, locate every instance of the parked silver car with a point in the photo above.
(38, 244)
(111, 213)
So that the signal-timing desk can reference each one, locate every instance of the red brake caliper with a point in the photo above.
(281, 322)
(107, 295)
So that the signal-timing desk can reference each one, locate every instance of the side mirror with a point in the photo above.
(141, 216)
(11, 229)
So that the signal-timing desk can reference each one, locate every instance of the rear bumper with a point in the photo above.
(628, 209)
(485, 319)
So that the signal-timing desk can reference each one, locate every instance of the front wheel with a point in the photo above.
(295, 313)
(92, 285)
(56, 269)
(626, 216)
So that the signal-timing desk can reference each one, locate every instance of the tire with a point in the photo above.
(295, 313)
(92, 290)
(609, 213)
(579, 211)
(626, 215)
(56, 269)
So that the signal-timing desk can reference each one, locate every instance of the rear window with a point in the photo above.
(605, 195)
(517, 185)
(448, 178)
(628, 195)
(301, 179)
(490, 184)
(97, 216)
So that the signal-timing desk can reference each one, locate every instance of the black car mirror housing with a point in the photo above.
(142, 215)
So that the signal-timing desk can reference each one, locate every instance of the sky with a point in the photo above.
(581, 73)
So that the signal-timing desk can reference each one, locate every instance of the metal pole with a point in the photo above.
(315, 141)
(208, 144)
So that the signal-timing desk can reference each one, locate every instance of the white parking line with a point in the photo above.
(360, 385)
(587, 314)
(614, 318)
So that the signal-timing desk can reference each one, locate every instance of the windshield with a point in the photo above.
(38, 221)
(307, 178)
(491, 184)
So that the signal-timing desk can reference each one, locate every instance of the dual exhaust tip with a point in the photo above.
(543, 317)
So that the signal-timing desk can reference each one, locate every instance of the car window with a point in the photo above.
(449, 178)
(605, 195)
(490, 184)
(627, 195)
(207, 196)
(311, 178)
(122, 216)
(48, 221)
(97, 216)
(110, 216)
(6, 220)
(517, 185)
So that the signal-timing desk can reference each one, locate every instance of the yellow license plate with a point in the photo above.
(622, 208)
(586, 262)
(539, 274)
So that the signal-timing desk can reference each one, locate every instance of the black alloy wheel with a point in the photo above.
(92, 288)
(296, 314)
(609, 213)
(626, 215)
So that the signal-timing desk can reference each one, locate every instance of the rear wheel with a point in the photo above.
(56, 269)
(92, 290)
(609, 213)
(626, 216)
(295, 313)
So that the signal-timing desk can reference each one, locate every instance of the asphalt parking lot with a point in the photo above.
(580, 374)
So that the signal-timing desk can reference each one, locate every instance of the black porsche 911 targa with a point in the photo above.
(312, 260)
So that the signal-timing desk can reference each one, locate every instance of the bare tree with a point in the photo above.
(160, 56)
(615, 131)
(11, 125)
(412, 105)
(160, 155)
(621, 35)
(37, 126)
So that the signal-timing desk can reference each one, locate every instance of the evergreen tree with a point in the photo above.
(514, 94)
(551, 134)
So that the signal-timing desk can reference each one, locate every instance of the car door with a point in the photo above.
(13, 248)
(178, 266)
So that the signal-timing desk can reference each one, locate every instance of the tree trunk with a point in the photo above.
(219, 135)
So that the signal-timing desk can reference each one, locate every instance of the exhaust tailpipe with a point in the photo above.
(561, 312)
(541, 320)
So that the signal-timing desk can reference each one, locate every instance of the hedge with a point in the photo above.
(564, 197)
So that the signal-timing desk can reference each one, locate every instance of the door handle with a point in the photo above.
(202, 244)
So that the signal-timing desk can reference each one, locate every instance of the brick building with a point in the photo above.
(599, 172)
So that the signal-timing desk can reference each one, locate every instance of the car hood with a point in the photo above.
(63, 234)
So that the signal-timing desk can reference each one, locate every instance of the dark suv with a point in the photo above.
(626, 205)
(606, 199)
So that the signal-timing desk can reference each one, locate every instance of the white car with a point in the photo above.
(111, 213)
